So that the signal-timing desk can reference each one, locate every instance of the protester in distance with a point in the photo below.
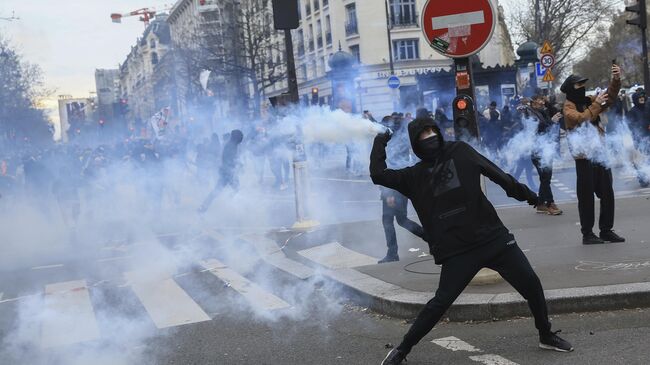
(547, 141)
(394, 204)
(593, 177)
(228, 172)
(461, 226)
(639, 123)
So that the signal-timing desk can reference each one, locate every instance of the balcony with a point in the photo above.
(351, 29)
(402, 20)
(328, 38)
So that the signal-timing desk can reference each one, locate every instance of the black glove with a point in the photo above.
(533, 200)
(385, 136)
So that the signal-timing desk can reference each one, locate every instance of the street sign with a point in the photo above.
(548, 60)
(458, 28)
(548, 77)
(394, 82)
(540, 70)
(546, 48)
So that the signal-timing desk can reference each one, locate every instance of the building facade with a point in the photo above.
(107, 84)
(362, 29)
(137, 74)
(201, 32)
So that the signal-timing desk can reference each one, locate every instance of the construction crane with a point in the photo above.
(12, 18)
(146, 14)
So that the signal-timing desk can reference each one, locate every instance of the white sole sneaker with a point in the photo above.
(549, 347)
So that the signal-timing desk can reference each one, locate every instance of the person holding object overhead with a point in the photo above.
(461, 226)
(592, 176)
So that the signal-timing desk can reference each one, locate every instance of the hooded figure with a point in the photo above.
(591, 175)
(228, 169)
(460, 224)
(637, 117)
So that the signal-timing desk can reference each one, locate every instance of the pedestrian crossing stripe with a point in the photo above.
(336, 256)
(166, 303)
(254, 294)
(68, 316)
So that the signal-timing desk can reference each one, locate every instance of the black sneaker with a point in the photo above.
(610, 236)
(591, 239)
(388, 259)
(394, 357)
(551, 341)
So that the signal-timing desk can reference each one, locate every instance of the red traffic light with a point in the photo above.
(461, 104)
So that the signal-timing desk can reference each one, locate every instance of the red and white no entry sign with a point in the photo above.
(458, 28)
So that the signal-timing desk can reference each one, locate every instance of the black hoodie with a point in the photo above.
(446, 193)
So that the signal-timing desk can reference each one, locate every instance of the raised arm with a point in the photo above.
(379, 173)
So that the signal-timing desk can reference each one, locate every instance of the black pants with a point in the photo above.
(399, 213)
(458, 271)
(594, 178)
(545, 175)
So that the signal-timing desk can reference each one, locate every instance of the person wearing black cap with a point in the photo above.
(640, 125)
(592, 176)
(461, 226)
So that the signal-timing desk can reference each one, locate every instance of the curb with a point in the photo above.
(393, 300)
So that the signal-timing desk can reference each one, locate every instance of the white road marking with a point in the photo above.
(335, 256)
(47, 267)
(490, 359)
(455, 344)
(564, 188)
(68, 316)
(559, 184)
(108, 259)
(456, 20)
(255, 295)
(167, 304)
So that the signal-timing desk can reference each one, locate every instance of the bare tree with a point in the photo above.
(621, 42)
(569, 25)
(256, 48)
(21, 92)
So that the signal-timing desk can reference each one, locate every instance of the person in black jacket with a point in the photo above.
(228, 169)
(461, 226)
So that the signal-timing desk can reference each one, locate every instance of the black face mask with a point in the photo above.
(578, 96)
(430, 147)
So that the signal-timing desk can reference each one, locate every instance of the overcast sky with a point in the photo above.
(70, 39)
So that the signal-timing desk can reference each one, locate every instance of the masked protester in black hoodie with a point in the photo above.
(462, 227)
(228, 169)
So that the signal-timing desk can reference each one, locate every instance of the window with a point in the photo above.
(319, 33)
(351, 16)
(403, 12)
(152, 43)
(314, 70)
(316, 5)
(154, 58)
(303, 71)
(301, 43)
(406, 49)
(356, 52)
(328, 30)
(308, 8)
(311, 38)
(325, 3)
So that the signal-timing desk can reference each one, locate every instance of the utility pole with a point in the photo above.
(291, 68)
(642, 22)
(389, 27)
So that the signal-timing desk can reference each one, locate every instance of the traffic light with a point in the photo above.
(640, 9)
(465, 124)
(285, 14)
(314, 96)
